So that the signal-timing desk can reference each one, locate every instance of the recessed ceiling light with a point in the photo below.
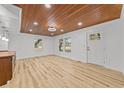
(52, 33)
(35, 23)
(30, 30)
(80, 23)
(47, 5)
(62, 30)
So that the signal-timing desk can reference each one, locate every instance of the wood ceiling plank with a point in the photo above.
(65, 16)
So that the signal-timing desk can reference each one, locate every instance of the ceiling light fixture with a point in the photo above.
(52, 29)
(47, 5)
(35, 23)
(30, 30)
(52, 34)
(80, 23)
(62, 30)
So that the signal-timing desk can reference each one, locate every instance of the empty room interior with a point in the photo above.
(61, 46)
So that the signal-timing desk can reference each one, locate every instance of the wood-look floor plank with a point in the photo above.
(59, 72)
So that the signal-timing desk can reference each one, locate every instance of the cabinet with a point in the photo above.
(6, 67)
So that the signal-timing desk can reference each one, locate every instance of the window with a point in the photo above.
(61, 45)
(96, 36)
(65, 45)
(68, 44)
(39, 44)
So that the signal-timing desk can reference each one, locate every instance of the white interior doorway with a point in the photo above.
(95, 48)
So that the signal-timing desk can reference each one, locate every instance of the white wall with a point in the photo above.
(113, 43)
(78, 46)
(113, 37)
(122, 31)
(3, 43)
(23, 44)
(9, 18)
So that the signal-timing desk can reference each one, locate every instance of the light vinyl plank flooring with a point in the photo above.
(59, 72)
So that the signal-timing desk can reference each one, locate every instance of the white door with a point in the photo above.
(95, 48)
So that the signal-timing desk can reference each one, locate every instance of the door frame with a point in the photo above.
(87, 53)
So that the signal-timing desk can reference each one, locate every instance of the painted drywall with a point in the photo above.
(112, 31)
(3, 43)
(10, 10)
(10, 19)
(122, 27)
(113, 46)
(23, 44)
(78, 46)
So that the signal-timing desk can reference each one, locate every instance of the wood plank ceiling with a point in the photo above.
(65, 17)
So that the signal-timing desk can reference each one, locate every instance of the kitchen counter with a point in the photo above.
(7, 54)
